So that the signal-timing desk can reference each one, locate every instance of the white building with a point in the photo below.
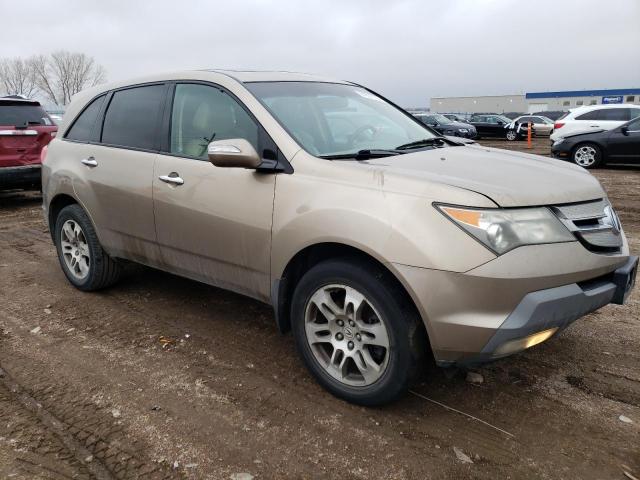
(535, 101)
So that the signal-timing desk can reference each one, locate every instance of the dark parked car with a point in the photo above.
(494, 125)
(551, 114)
(592, 149)
(445, 126)
(25, 128)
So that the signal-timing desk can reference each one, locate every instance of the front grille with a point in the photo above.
(594, 224)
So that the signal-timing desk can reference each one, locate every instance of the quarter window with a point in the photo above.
(202, 114)
(83, 126)
(132, 117)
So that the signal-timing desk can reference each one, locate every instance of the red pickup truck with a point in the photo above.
(25, 129)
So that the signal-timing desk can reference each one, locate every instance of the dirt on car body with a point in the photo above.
(162, 377)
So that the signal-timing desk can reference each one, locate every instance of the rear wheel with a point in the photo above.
(354, 332)
(511, 135)
(587, 155)
(86, 265)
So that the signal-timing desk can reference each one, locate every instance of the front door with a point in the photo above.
(213, 224)
(625, 147)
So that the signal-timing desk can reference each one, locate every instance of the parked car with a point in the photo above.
(25, 129)
(594, 149)
(371, 246)
(455, 117)
(493, 125)
(550, 114)
(512, 115)
(542, 126)
(594, 117)
(445, 126)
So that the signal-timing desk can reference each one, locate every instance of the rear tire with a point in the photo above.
(587, 155)
(355, 332)
(86, 265)
(512, 135)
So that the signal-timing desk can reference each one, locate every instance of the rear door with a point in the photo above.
(115, 171)
(213, 224)
(602, 118)
(25, 128)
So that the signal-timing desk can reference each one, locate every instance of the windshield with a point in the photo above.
(441, 119)
(505, 119)
(332, 119)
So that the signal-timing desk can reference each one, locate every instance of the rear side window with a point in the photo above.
(83, 126)
(18, 114)
(132, 117)
(614, 114)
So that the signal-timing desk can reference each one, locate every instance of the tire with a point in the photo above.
(587, 155)
(383, 316)
(511, 135)
(86, 265)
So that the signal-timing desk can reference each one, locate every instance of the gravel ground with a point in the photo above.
(90, 388)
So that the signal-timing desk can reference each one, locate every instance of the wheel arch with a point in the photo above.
(283, 287)
(56, 205)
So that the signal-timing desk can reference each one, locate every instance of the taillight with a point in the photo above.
(557, 125)
(43, 154)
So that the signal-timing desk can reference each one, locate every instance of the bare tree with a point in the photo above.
(17, 77)
(62, 74)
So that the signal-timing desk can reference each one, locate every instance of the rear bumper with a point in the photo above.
(28, 175)
(470, 315)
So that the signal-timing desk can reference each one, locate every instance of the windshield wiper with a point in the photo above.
(425, 142)
(362, 154)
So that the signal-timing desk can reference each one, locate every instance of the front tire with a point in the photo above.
(355, 333)
(587, 155)
(86, 265)
(512, 135)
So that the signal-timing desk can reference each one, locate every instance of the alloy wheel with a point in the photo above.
(75, 249)
(347, 336)
(585, 156)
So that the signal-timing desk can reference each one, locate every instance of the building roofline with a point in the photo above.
(584, 93)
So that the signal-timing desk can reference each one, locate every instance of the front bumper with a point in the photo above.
(13, 177)
(470, 315)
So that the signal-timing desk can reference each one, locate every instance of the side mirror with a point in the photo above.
(624, 130)
(233, 153)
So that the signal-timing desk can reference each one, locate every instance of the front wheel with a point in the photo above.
(587, 155)
(512, 135)
(354, 332)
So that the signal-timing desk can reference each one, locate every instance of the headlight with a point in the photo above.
(502, 230)
(558, 142)
(463, 130)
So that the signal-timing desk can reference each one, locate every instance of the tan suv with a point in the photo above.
(375, 239)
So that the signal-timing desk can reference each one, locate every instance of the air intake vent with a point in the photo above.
(594, 224)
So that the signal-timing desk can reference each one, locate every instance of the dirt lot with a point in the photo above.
(89, 389)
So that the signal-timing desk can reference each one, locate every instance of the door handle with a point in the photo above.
(90, 162)
(175, 179)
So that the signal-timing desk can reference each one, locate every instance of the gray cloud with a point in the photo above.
(408, 50)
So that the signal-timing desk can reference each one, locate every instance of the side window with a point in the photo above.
(525, 120)
(82, 128)
(617, 114)
(592, 115)
(132, 117)
(202, 114)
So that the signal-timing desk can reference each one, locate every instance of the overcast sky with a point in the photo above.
(408, 50)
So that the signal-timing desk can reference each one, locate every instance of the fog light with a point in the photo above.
(513, 346)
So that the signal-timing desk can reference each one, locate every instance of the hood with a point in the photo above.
(582, 132)
(508, 178)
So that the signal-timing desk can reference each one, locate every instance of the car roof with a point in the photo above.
(601, 106)
(246, 76)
